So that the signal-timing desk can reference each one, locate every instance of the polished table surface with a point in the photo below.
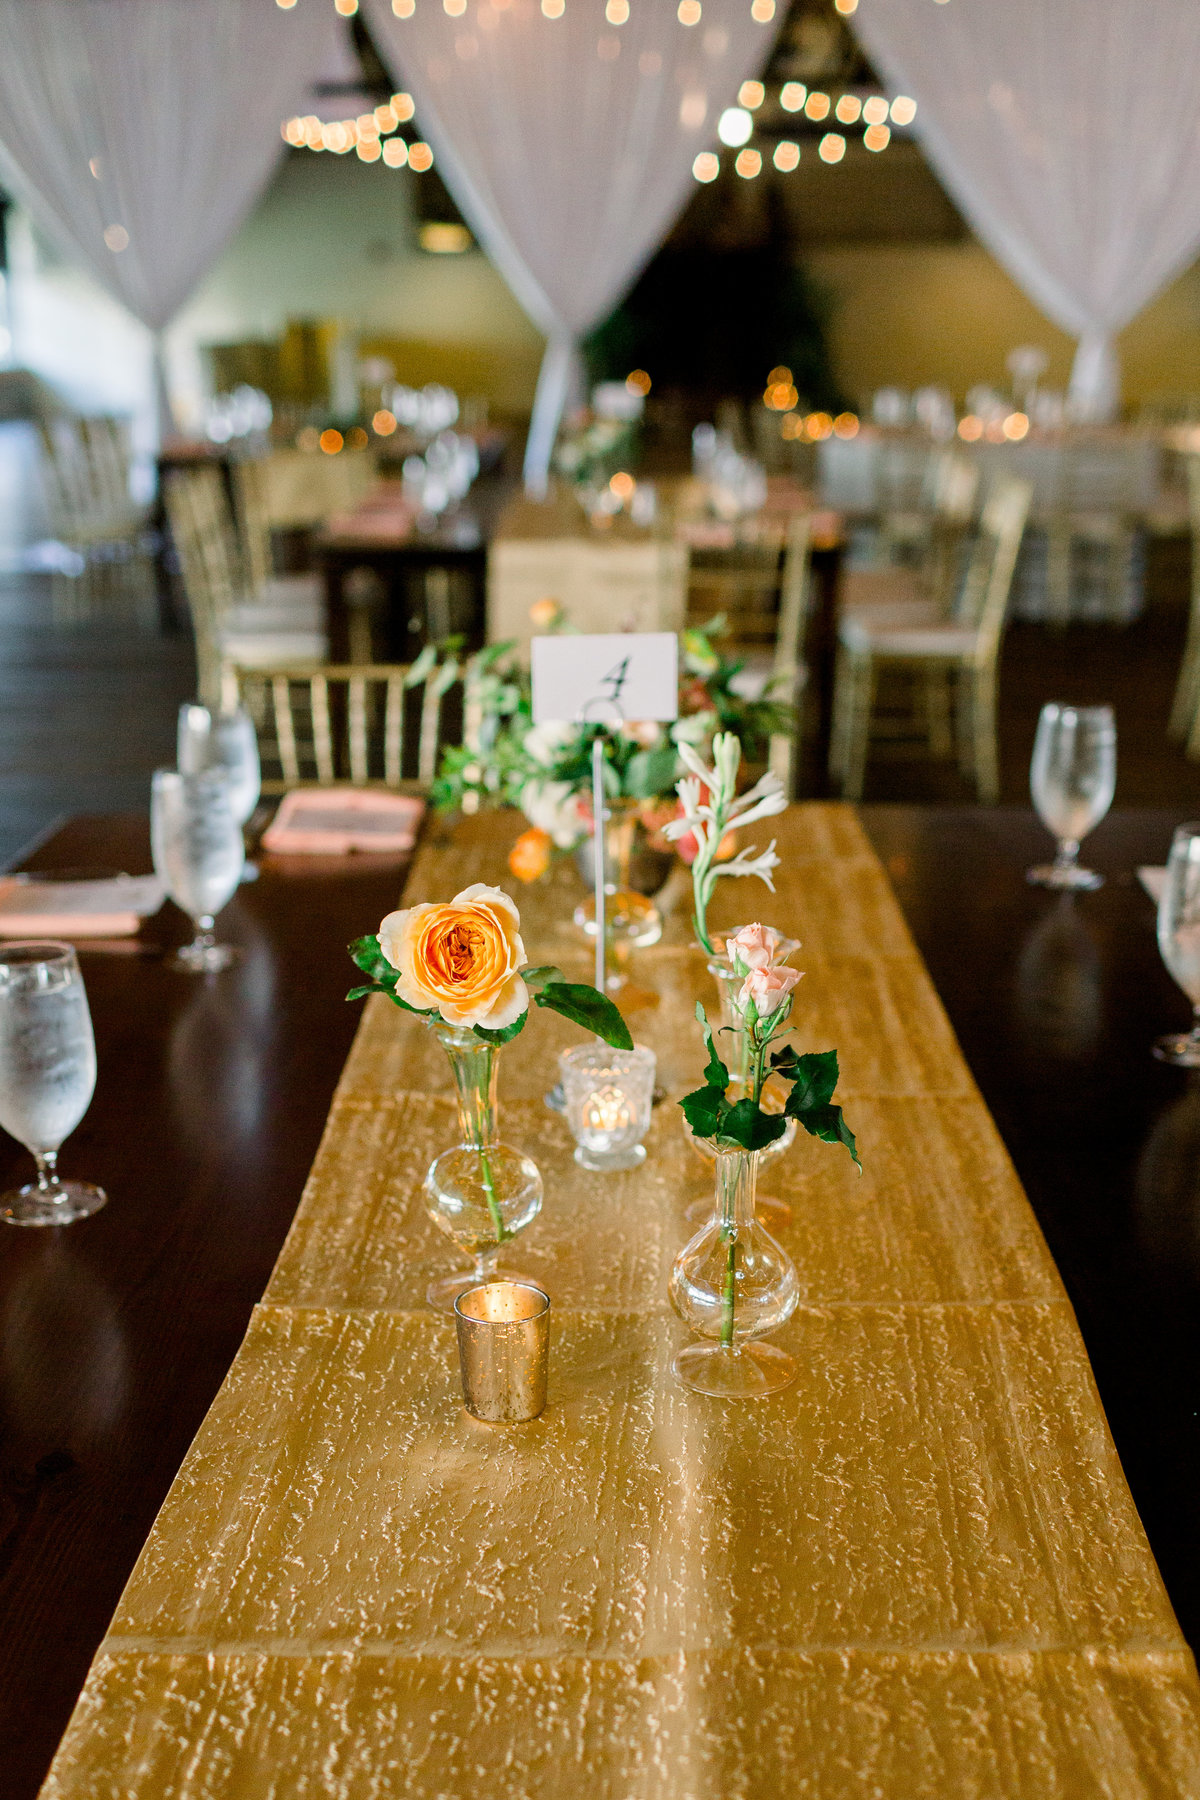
(916, 1572)
(116, 1332)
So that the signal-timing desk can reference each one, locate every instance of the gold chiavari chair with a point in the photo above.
(367, 724)
(86, 465)
(966, 648)
(1185, 708)
(228, 626)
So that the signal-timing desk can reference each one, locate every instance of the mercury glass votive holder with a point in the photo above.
(609, 1094)
(503, 1348)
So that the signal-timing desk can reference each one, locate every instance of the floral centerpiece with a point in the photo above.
(732, 1282)
(461, 968)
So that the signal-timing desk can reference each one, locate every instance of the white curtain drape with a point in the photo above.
(568, 143)
(1069, 134)
(138, 133)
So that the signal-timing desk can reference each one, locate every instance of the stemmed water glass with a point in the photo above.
(47, 1076)
(198, 855)
(222, 740)
(1072, 778)
(1179, 941)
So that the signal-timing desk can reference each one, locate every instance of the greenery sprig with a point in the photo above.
(582, 1004)
(743, 1123)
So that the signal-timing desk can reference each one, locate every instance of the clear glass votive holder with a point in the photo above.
(609, 1094)
(503, 1350)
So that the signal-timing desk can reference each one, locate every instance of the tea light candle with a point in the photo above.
(608, 1099)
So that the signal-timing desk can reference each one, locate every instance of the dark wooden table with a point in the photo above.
(116, 1332)
(1056, 1003)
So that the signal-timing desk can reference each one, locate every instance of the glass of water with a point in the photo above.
(1179, 940)
(198, 855)
(1072, 779)
(226, 740)
(47, 1076)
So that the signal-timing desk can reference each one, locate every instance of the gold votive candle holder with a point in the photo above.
(503, 1350)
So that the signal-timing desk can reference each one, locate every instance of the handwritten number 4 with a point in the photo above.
(615, 680)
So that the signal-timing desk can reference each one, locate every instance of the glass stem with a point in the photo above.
(47, 1169)
(204, 931)
(1068, 853)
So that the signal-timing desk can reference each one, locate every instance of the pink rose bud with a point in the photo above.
(768, 988)
(758, 946)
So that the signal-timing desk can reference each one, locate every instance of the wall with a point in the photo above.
(949, 314)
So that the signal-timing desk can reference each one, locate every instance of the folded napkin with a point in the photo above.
(108, 908)
(335, 821)
(1153, 880)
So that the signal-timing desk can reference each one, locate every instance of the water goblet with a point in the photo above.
(47, 1076)
(198, 855)
(1179, 941)
(222, 740)
(1072, 778)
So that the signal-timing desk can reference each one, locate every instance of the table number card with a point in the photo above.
(607, 679)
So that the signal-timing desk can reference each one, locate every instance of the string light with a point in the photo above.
(846, 425)
(875, 111)
(638, 382)
(970, 429)
(553, 9)
(331, 441)
(367, 135)
(395, 153)
(735, 126)
(368, 150)
(1015, 427)
(904, 110)
(689, 12)
(817, 106)
(748, 164)
(762, 11)
(117, 238)
(617, 11)
(384, 423)
(818, 425)
(403, 106)
(420, 157)
(877, 137)
(707, 166)
(356, 438)
(792, 96)
(847, 109)
(455, 8)
(404, 9)
(792, 427)
(347, 8)
(832, 147)
(751, 95)
(845, 7)
(787, 156)
(285, 5)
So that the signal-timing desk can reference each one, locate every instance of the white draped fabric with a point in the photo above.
(568, 144)
(1068, 132)
(139, 133)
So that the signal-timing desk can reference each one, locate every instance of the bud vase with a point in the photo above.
(631, 920)
(733, 1284)
(733, 1047)
(482, 1192)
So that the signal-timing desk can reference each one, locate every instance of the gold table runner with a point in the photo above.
(917, 1572)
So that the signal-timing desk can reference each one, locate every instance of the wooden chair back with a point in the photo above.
(369, 724)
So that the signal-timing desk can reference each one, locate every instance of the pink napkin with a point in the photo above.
(335, 821)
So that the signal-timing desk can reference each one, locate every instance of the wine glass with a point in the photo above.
(225, 740)
(47, 1076)
(1179, 941)
(1072, 778)
(198, 855)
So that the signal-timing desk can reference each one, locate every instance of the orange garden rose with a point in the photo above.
(461, 959)
(530, 855)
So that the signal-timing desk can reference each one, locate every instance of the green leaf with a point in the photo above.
(505, 1034)
(814, 1077)
(704, 1111)
(360, 993)
(536, 979)
(828, 1123)
(365, 952)
(716, 1074)
(650, 772)
(748, 1125)
(585, 1006)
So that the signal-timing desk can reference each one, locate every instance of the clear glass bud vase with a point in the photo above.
(733, 1047)
(631, 920)
(482, 1192)
(733, 1284)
